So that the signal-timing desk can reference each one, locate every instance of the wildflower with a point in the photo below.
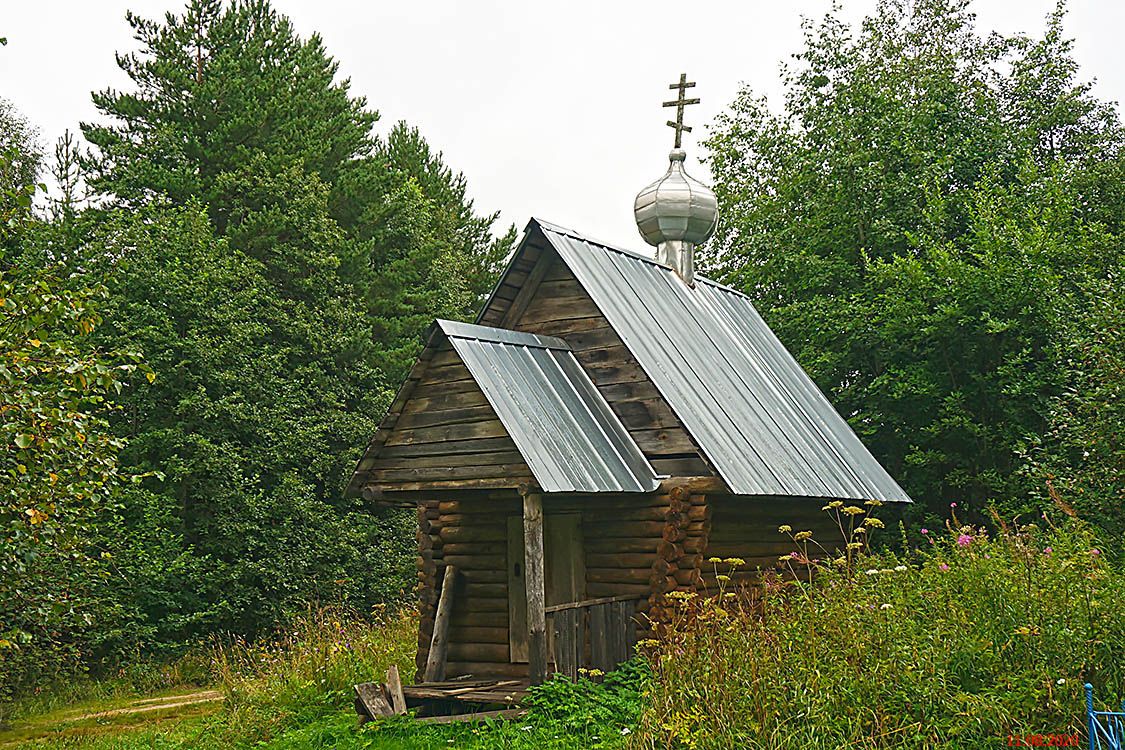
(1095, 552)
(722, 578)
(625, 731)
(1060, 681)
(729, 595)
(943, 567)
(784, 529)
(853, 510)
(833, 505)
(900, 568)
(953, 505)
(964, 540)
(886, 606)
(873, 503)
(860, 530)
(925, 531)
(872, 571)
(734, 561)
(873, 522)
(840, 562)
(1047, 550)
(801, 536)
(855, 545)
(684, 595)
(714, 560)
(526, 727)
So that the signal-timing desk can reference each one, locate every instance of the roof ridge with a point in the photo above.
(633, 254)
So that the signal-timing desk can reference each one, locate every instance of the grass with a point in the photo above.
(972, 638)
(296, 692)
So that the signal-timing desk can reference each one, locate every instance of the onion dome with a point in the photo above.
(676, 213)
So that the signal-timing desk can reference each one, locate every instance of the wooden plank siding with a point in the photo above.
(553, 303)
(443, 431)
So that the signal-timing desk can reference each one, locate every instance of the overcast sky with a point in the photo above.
(550, 109)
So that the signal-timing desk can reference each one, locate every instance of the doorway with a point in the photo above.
(564, 573)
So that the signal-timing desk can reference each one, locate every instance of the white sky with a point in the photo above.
(550, 109)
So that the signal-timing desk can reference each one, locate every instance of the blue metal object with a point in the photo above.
(1106, 728)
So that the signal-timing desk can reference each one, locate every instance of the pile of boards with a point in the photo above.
(451, 700)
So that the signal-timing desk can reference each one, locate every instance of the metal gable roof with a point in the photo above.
(565, 430)
(758, 417)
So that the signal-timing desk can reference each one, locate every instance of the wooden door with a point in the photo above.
(564, 571)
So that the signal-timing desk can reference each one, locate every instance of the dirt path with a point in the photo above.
(149, 704)
(100, 719)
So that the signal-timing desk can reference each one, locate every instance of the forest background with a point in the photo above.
(203, 320)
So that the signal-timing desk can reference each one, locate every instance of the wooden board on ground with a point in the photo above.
(507, 713)
(394, 687)
(372, 700)
(482, 692)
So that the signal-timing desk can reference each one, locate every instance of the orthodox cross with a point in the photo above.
(679, 103)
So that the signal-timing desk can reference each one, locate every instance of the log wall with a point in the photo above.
(623, 537)
(641, 545)
(747, 528)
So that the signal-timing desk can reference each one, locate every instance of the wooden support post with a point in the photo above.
(439, 644)
(536, 587)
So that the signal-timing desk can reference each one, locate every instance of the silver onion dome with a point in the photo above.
(675, 214)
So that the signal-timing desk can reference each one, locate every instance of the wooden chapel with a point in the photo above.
(609, 422)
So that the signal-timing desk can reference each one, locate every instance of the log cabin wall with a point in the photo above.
(633, 545)
(469, 531)
(747, 528)
(444, 433)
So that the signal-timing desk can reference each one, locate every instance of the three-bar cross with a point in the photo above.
(679, 103)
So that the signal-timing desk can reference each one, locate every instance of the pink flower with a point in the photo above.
(943, 567)
(964, 540)
(1047, 550)
(1095, 552)
(925, 531)
(953, 505)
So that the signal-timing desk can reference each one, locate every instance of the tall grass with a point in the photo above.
(963, 643)
(309, 670)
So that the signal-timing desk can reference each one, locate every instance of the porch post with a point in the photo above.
(533, 580)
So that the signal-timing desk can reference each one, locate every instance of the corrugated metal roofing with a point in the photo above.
(570, 438)
(757, 416)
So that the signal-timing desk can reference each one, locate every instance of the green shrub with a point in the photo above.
(971, 639)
